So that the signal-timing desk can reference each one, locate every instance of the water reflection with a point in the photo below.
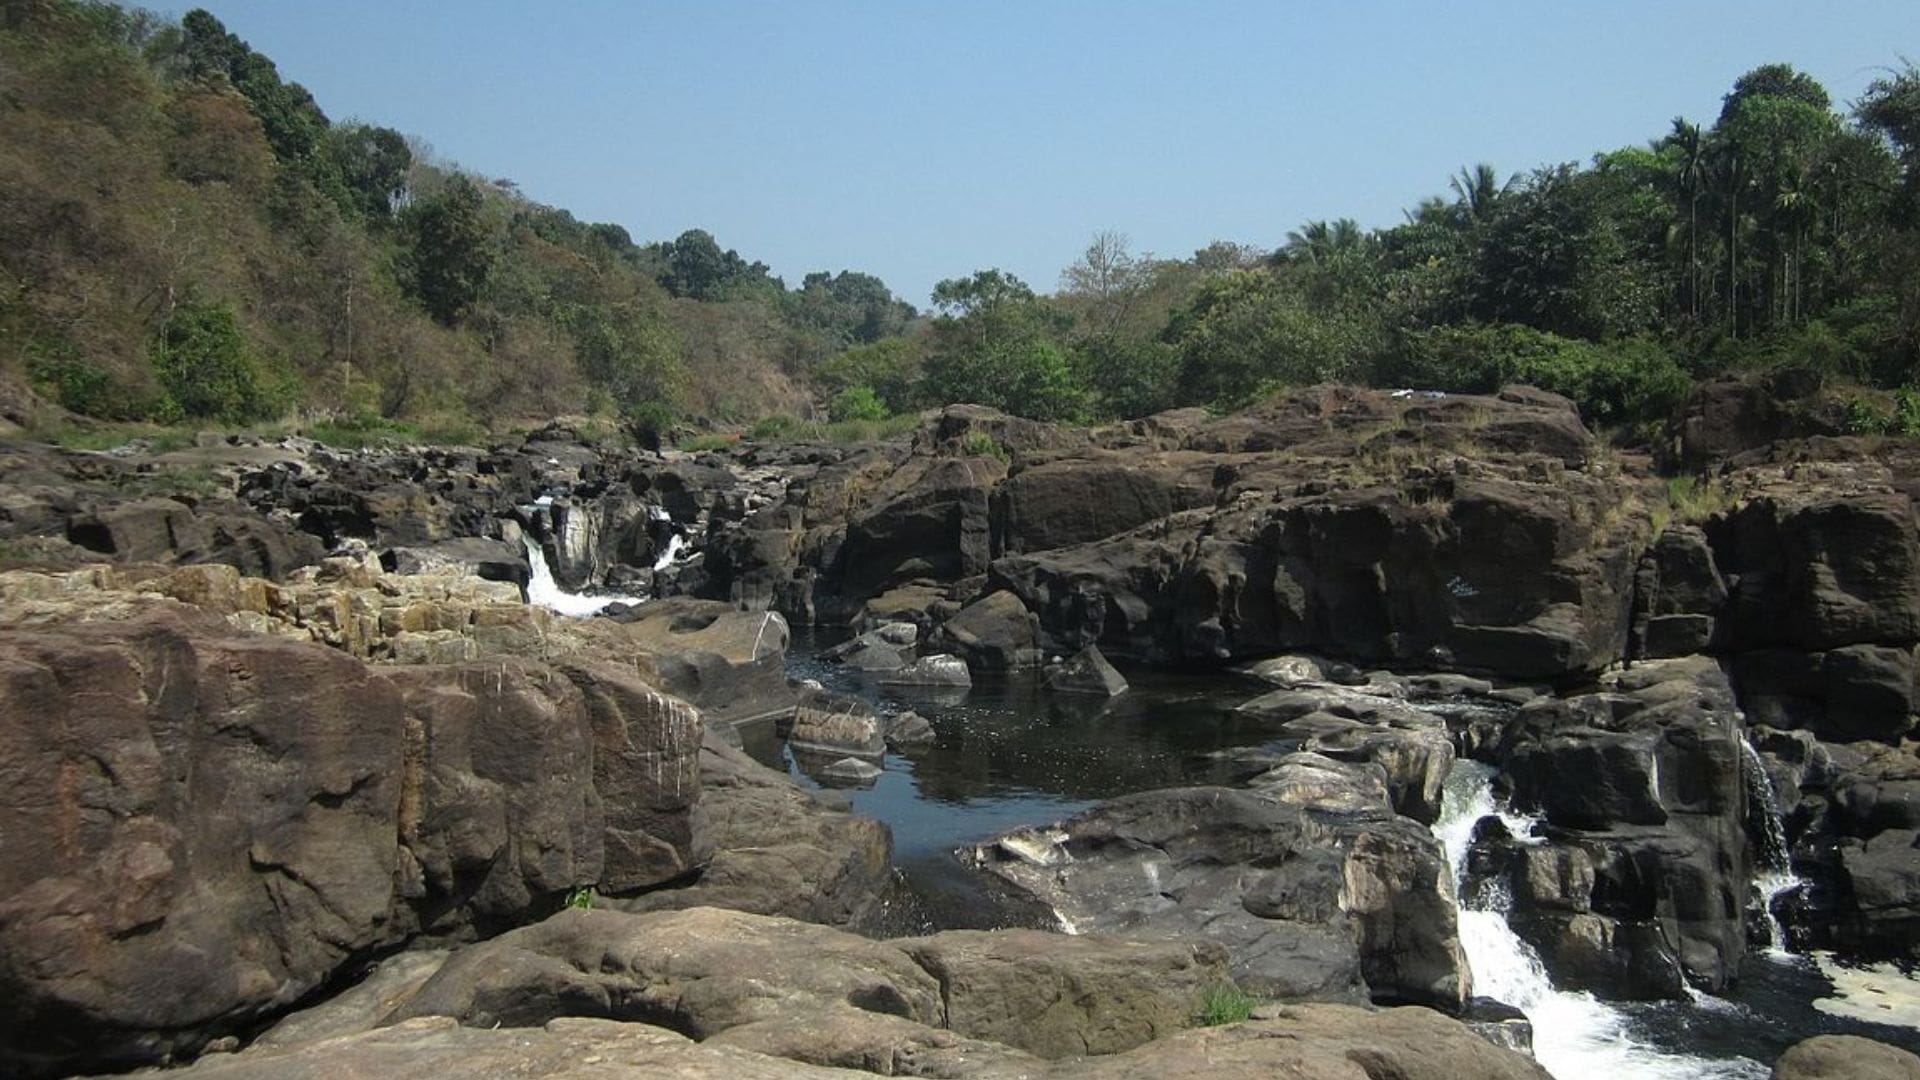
(1009, 753)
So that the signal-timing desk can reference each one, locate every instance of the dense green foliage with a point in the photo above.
(188, 235)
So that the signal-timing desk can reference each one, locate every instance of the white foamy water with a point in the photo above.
(543, 591)
(675, 543)
(1576, 1036)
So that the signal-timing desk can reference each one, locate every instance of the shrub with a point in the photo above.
(857, 403)
(203, 362)
(1617, 382)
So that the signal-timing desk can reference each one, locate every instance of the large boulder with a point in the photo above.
(1325, 898)
(698, 971)
(1845, 1057)
(1058, 996)
(994, 633)
(225, 821)
(779, 850)
(1644, 782)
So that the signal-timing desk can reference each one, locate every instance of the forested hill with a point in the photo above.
(184, 234)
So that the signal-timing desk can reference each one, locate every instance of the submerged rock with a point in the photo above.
(1087, 672)
(937, 670)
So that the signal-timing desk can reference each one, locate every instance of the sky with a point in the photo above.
(921, 141)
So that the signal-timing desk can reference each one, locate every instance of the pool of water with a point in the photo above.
(1009, 753)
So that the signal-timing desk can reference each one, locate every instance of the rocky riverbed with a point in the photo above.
(297, 781)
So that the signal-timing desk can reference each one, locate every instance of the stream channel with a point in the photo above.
(1007, 753)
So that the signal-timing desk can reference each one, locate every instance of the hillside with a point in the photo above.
(187, 236)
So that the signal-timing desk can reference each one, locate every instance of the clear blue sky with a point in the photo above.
(919, 141)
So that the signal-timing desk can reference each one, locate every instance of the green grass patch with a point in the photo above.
(703, 443)
(841, 432)
(1691, 501)
(1226, 1005)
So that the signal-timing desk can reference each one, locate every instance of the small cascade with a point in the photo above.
(670, 554)
(544, 591)
(1575, 1035)
(1776, 878)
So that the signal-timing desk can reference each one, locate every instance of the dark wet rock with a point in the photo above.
(1645, 779)
(908, 729)
(1075, 500)
(491, 560)
(1678, 595)
(938, 670)
(1727, 416)
(1085, 672)
(1309, 905)
(1412, 746)
(995, 633)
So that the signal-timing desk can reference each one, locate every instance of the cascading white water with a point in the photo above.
(1777, 878)
(675, 544)
(544, 591)
(1576, 1036)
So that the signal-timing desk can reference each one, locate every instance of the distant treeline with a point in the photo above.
(185, 235)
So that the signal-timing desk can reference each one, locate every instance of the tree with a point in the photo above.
(849, 307)
(696, 267)
(375, 163)
(997, 344)
(451, 251)
(203, 362)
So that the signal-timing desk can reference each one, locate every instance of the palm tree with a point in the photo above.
(1477, 192)
(1690, 176)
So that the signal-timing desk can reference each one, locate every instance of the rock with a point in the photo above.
(909, 729)
(779, 850)
(1853, 692)
(1071, 501)
(164, 878)
(1287, 672)
(1411, 745)
(1308, 907)
(937, 670)
(361, 1006)
(1678, 595)
(1821, 571)
(1845, 1057)
(698, 972)
(566, 1049)
(1646, 780)
(1726, 416)
(1062, 997)
(1087, 672)
(282, 810)
(878, 1043)
(731, 664)
(994, 633)
(848, 772)
(492, 560)
(828, 725)
(1324, 1042)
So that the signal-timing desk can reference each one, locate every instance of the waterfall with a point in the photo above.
(544, 591)
(671, 552)
(1575, 1035)
(1776, 878)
